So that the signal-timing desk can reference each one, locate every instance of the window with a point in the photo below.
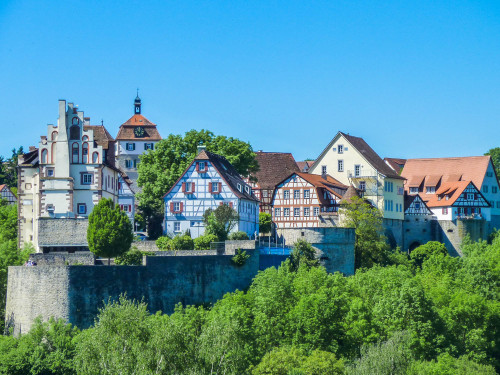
(430, 189)
(489, 174)
(128, 163)
(485, 188)
(296, 194)
(498, 204)
(323, 169)
(417, 205)
(307, 194)
(286, 212)
(286, 194)
(238, 186)
(340, 165)
(461, 210)
(362, 185)
(357, 170)
(95, 157)
(177, 226)
(135, 163)
(50, 209)
(296, 212)
(215, 187)
(307, 211)
(414, 190)
(75, 151)
(340, 149)
(445, 210)
(177, 206)
(74, 132)
(44, 156)
(247, 189)
(494, 189)
(86, 178)
(85, 153)
(82, 208)
(401, 191)
(470, 196)
(264, 193)
(277, 212)
(50, 172)
(316, 211)
(201, 166)
(148, 146)
(130, 146)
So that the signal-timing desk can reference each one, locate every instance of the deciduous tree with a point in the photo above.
(220, 221)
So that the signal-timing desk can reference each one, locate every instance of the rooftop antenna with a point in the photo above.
(102, 122)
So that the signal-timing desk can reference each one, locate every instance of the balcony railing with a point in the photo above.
(362, 173)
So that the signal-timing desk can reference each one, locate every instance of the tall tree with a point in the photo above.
(110, 232)
(8, 168)
(220, 221)
(495, 156)
(160, 168)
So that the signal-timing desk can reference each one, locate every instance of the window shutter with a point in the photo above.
(172, 207)
(183, 187)
(210, 187)
(133, 146)
(193, 187)
(181, 208)
(220, 187)
(197, 167)
(231, 204)
(145, 146)
(220, 203)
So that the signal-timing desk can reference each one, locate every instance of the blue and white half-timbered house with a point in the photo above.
(208, 182)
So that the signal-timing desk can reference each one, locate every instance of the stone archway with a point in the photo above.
(413, 246)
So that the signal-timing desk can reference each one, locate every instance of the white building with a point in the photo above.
(64, 178)
(352, 161)
(126, 198)
(135, 136)
(208, 182)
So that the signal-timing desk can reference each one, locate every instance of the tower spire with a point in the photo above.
(137, 104)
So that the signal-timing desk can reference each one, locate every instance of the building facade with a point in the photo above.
(7, 194)
(65, 177)
(208, 182)
(135, 136)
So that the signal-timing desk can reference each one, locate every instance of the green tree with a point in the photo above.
(164, 243)
(370, 246)
(182, 242)
(280, 361)
(495, 157)
(265, 222)
(447, 365)
(220, 221)
(303, 254)
(133, 257)
(8, 168)
(424, 252)
(110, 232)
(160, 168)
(238, 236)
(203, 242)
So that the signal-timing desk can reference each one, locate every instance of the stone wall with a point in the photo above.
(334, 246)
(75, 293)
(393, 230)
(64, 259)
(146, 245)
(62, 232)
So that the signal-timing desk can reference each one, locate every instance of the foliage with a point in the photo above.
(140, 222)
(265, 222)
(110, 232)
(448, 365)
(160, 168)
(303, 254)
(8, 221)
(203, 242)
(424, 252)
(240, 258)
(370, 247)
(164, 243)
(8, 169)
(495, 157)
(238, 236)
(48, 348)
(220, 221)
(182, 242)
(133, 257)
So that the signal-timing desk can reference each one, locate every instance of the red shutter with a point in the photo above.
(220, 203)
(181, 207)
(210, 187)
(231, 204)
(197, 167)
(220, 187)
(183, 187)
(193, 187)
(171, 207)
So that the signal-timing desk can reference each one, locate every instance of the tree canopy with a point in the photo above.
(221, 221)
(8, 168)
(110, 231)
(495, 156)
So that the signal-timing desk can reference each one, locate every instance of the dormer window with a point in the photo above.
(201, 167)
(247, 189)
(447, 197)
(414, 190)
(430, 190)
(239, 187)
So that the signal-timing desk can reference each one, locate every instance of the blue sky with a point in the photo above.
(414, 79)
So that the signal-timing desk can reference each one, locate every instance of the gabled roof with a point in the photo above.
(409, 198)
(273, 168)
(329, 183)
(470, 168)
(366, 151)
(101, 135)
(305, 165)
(450, 189)
(126, 132)
(2, 186)
(396, 164)
(350, 193)
(225, 170)
(29, 158)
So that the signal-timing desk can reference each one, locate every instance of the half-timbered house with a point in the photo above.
(273, 168)
(7, 194)
(414, 205)
(300, 200)
(208, 182)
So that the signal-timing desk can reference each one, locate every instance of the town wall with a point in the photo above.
(334, 246)
(393, 230)
(62, 232)
(64, 259)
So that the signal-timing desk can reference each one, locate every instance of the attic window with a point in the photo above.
(239, 187)
(247, 189)
(430, 189)
(414, 190)
(447, 197)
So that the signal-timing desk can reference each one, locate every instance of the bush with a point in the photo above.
(183, 242)
(424, 252)
(265, 222)
(203, 242)
(132, 257)
(164, 243)
(240, 258)
(238, 236)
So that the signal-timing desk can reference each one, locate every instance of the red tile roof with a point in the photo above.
(451, 189)
(305, 165)
(126, 132)
(328, 182)
(273, 168)
(396, 163)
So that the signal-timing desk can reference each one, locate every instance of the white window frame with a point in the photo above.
(130, 146)
(177, 206)
(316, 211)
(215, 187)
(357, 170)
(307, 211)
(177, 226)
(362, 185)
(296, 212)
(286, 212)
(307, 194)
(277, 212)
(340, 165)
(286, 194)
(413, 190)
(296, 194)
(340, 149)
(323, 169)
(430, 190)
(87, 178)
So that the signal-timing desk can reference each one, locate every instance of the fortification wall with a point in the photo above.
(64, 259)
(75, 293)
(393, 230)
(62, 232)
(335, 246)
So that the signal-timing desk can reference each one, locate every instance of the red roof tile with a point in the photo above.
(273, 168)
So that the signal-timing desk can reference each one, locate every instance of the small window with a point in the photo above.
(215, 187)
(201, 166)
(296, 212)
(130, 146)
(306, 211)
(286, 212)
(277, 212)
(362, 185)
(445, 210)
(430, 189)
(87, 178)
(498, 204)
(177, 226)
(316, 211)
(494, 189)
(50, 208)
(340, 165)
(357, 170)
(485, 188)
(177, 206)
(148, 146)
(286, 194)
(340, 149)
(471, 196)
(307, 194)
(414, 190)
(489, 174)
(323, 169)
(128, 163)
(247, 189)
(82, 208)
(50, 172)
(239, 187)
(296, 194)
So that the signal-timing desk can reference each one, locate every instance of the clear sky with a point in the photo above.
(413, 78)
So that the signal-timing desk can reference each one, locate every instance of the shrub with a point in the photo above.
(164, 243)
(203, 242)
(424, 252)
(238, 236)
(133, 257)
(240, 258)
(183, 242)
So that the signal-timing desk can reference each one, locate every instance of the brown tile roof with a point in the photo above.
(329, 183)
(452, 189)
(273, 168)
(30, 157)
(471, 168)
(396, 164)
(2, 186)
(101, 135)
(305, 165)
(349, 194)
(126, 132)
(409, 198)
(371, 156)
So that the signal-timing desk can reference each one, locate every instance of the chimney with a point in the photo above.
(202, 148)
(32, 148)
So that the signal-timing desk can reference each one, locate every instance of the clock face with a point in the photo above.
(139, 131)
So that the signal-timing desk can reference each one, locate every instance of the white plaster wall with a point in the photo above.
(396, 199)
(490, 196)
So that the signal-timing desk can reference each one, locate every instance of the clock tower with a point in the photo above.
(137, 104)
